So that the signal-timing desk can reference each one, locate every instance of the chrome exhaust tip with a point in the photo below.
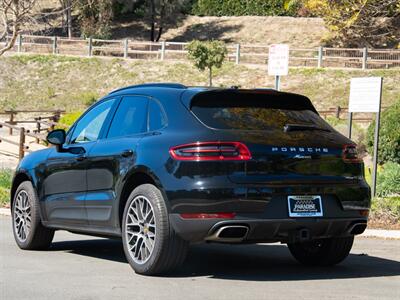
(229, 234)
(357, 228)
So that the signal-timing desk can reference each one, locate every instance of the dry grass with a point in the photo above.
(297, 32)
(45, 81)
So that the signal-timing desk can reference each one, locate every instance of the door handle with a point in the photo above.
(127, 153)
(81, 158)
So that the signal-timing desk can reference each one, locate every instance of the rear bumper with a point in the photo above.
(266, 230)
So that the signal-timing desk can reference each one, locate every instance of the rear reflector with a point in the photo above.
(209, 216)
(211, 151)
(350, 154)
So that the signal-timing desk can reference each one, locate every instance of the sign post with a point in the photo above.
(278, 62)
(366, 96)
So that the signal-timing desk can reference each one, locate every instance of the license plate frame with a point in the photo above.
(305, 206)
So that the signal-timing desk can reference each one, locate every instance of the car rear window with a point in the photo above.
(255, 112)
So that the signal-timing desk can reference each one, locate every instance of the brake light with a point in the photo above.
(209, 216)
(350, 154)
(211, 151)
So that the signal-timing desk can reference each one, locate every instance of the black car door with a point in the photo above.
(111, 158)
(65, 181)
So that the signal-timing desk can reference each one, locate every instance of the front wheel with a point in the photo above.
(322, 252)
(29, 233)
(150, 243)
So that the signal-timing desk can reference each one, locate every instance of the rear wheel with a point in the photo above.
(150, 244)
(322, 252)
(29, 233)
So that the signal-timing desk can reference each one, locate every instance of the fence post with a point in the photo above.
(320, 56)
(90, 46)
(364, 58)
(126, 42)
(19, 44)
(162, 50)
(56, 116)
(55, 45)
(338, 110)
(21, 152)
(38, 128)
(11, 122)
(237, 54)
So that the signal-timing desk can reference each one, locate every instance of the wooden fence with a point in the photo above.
(239, 53)
(42, 123)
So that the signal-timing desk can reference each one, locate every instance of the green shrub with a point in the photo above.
(88, 98)
(5, 186)
(244, 8)
(386, 210)
(67, 120)
(388, 180)
(389, 137)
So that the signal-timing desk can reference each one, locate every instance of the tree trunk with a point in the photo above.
(161, 25)
(159, 34)
(153, 20)
(12, 41)
(210, 76)
(69, 18)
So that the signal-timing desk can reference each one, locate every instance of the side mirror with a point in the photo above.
(57, 137)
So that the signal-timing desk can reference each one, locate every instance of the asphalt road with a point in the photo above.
(81, 267)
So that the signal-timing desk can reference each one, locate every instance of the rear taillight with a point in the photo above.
(211, 151)
(350, 154)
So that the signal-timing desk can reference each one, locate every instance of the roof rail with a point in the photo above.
(165, 85)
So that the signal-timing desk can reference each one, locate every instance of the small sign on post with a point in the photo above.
(278, 62)
(366, 96)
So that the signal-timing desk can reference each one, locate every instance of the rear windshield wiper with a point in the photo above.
(302, 127)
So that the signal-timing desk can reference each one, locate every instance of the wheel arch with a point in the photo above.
(140, 175)
(19, 177)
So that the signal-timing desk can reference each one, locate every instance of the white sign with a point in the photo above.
(365, 94)
(278, 60)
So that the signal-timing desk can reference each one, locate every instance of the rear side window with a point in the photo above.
(157, 118)
(252, 112)
(130, 118)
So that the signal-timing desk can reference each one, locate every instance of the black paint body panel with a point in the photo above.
(84, 195)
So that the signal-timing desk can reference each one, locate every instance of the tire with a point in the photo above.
(150, 243)
(322, 252)
(29, 233)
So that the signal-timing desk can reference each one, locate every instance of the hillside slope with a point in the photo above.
(34, 81)
(297, 32)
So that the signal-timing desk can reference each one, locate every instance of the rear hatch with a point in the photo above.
(288, 141)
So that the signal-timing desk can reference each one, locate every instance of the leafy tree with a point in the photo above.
(13, 15)
(389, 135)
(207, 55)
(358, 23)
(95, 17)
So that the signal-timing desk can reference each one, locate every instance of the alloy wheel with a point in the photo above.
(140, 229)
(22, 216)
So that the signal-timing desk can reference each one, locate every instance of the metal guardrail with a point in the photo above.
(239, 53)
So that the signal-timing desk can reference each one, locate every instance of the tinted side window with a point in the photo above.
(130, 118)
(88, 128)
(157, 118)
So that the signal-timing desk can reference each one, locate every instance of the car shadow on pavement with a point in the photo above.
(259, 262)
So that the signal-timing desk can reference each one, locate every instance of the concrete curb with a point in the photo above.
(381, 233)
(369, 233)
(5, 212)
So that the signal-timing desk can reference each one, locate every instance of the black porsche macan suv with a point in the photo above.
(165, 165)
